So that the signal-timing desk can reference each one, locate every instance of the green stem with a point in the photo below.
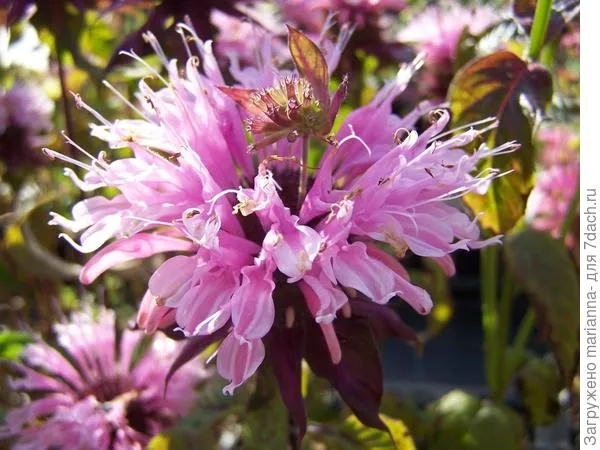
(489, 307)
(506, 301)
(303, 182)
(571, 215)
(541, 19)
(523, 333)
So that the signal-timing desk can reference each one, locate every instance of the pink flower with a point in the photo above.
(436, 31)
(557, 181)
(25, 121)
(269, 248)
(98, 396)
(558, 145)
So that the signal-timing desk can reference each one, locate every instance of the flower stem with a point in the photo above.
(489, 307)
(541, 19)
(303, 182)
(506, 301)
(523, 333)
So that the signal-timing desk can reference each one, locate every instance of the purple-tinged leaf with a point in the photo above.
(338, 98)
(311, 64)
(192, 348)
(285, 347)
(383, 320)
(359, 376)
(243, 97)
(517, 94)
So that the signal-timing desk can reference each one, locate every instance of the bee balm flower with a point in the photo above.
(278, 259)
(98, 396)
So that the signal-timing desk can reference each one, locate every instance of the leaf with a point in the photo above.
(192, 348)
(356, 436)
(383, 320)
(539, 385)
(516, 93)
(546, 272)
(311, 64)
(284, 349)
(12, 344)
(359, 376)
(503, 205)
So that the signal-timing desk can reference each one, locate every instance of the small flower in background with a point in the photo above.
(436, 32)
(95, 392)
(556, 182)
(25, 121)
(276, 258)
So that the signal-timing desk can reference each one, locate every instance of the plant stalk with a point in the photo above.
(541, 19)
(489, 306)
(303, 182)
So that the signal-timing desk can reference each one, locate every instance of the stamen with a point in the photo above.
(346, 310)
(79, 103)
(152, 70)
(149, 221)
(184, 39)
(149, 37)
(82, 150)
(124, 99)
(491, 120)
(290, 317)
(56, 155)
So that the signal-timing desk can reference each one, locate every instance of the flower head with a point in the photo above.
(278, 259)
(94, 393)
(298, 105)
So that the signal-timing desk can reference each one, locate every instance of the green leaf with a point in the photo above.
(12, 344)
(539, 384)
(353, 435)
(516, 93)
(266, 420)
(546, 272)
(503, 204)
